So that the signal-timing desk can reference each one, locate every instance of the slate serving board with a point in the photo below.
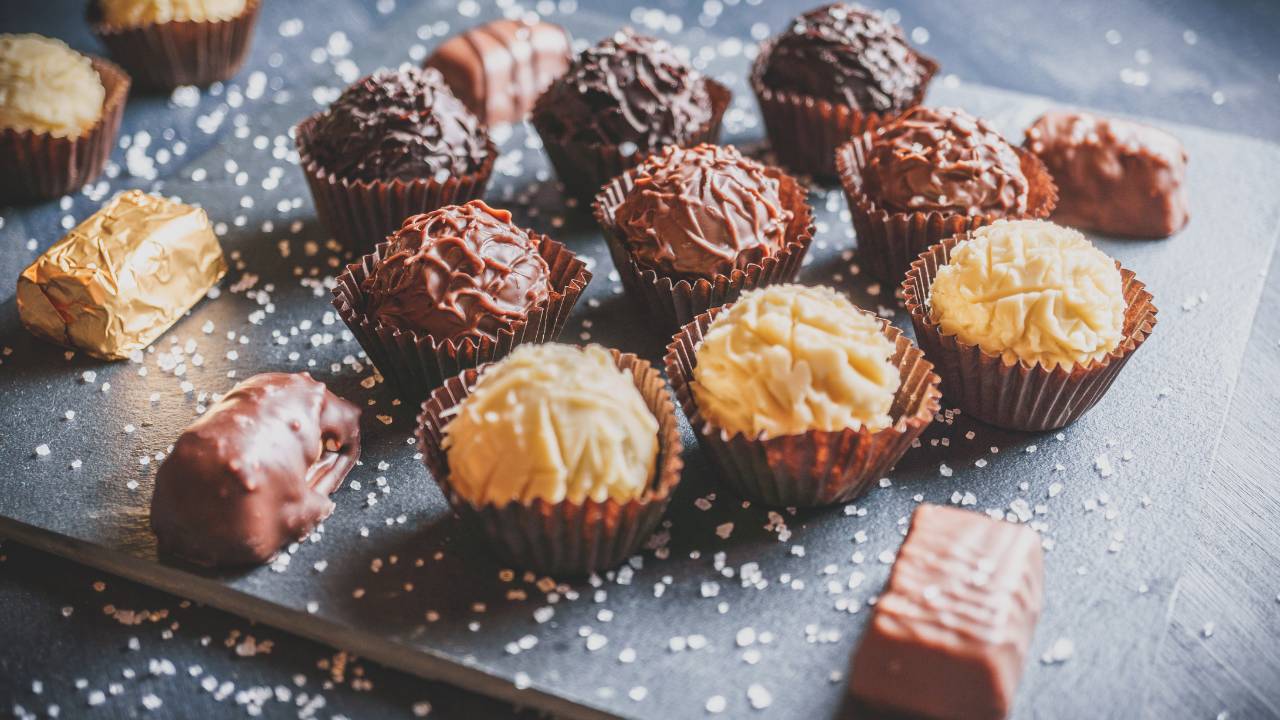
(739, 607)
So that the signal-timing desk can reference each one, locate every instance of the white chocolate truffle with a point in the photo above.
(1031, 291)
(555, 422)
(787, 359)
(46, 87)
(134, 13)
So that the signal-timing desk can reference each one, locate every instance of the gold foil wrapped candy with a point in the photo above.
(122, 277)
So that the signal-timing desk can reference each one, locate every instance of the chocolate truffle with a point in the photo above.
(132, 13)
(703, 211)
(1113, 176)
(398, 124)
(848, 55)
(46, 87)
(787, 359)
(555, 423)
(457, 272)
(951, 630)
(255, 472)
(628, 89)
(944, 160)
(1031, 291)
(500, 68)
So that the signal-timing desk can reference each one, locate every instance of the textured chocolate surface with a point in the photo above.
(462, 270)
(846, 54)
(951, 630)
(500, 68)
(1113, 176)
(944, 160)
(629, 88)
(403, 124)
(703, 211)
(255, 472)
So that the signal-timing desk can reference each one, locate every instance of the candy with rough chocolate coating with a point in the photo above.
(255, 472)
(951, 630)
(498, 69)
(1114, 176)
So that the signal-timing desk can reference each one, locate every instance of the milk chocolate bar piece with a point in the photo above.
(1114, 176)
(951, 630)
(498, 69)
(255, 472)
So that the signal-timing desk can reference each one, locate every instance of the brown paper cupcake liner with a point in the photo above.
(165, 55)
(362, 213)
(39, 166)
(1019, 396)
(888, 242)
(565, 538)
(670, 302)
(417, 364)
(818, 467)
(806, 131)
(584, 168)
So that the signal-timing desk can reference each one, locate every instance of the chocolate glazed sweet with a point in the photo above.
(703, 211)
(403, 124)
(500, 68)
(629, 88)
(462, 270)
(255, 472)
(944, 160)
(848, 55)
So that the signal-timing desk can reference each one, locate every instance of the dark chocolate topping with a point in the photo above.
(498, 69)
(846, 54)
(460, 271)
(403, 124)
(944, 160)
(703, 211)
(627, 89)
(255, 472)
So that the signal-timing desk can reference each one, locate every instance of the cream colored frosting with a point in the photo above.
(47, 87)
(555, 422)
(1031, 290)
(132, 13)
(787, 359)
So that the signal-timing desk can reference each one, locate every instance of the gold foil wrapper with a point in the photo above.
(122, 277)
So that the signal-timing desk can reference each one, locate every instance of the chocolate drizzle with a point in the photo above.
(848, 55)
(703, 211)
(944, 160)
(255, 472)
(462, 270)
(627, 89)
(403, 124)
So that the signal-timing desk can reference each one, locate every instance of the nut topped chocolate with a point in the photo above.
(457, 272)
(703, 211)
(627, 89)
(398, 124)
(846, 54)
(944, 160)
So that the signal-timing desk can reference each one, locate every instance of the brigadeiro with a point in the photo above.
(167, 43)
(394, 144)
(255, 472)
(930, 174)
(691, 228)
(454, 288)
(835, 72)
(621, 100)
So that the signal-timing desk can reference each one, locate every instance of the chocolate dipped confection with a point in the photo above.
(398, 124)
(460, 271)
(703, 211)
(944, 160)
(1114, 176)
(951, 630)
(255, 472)
(846, 54)
(500, 68)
